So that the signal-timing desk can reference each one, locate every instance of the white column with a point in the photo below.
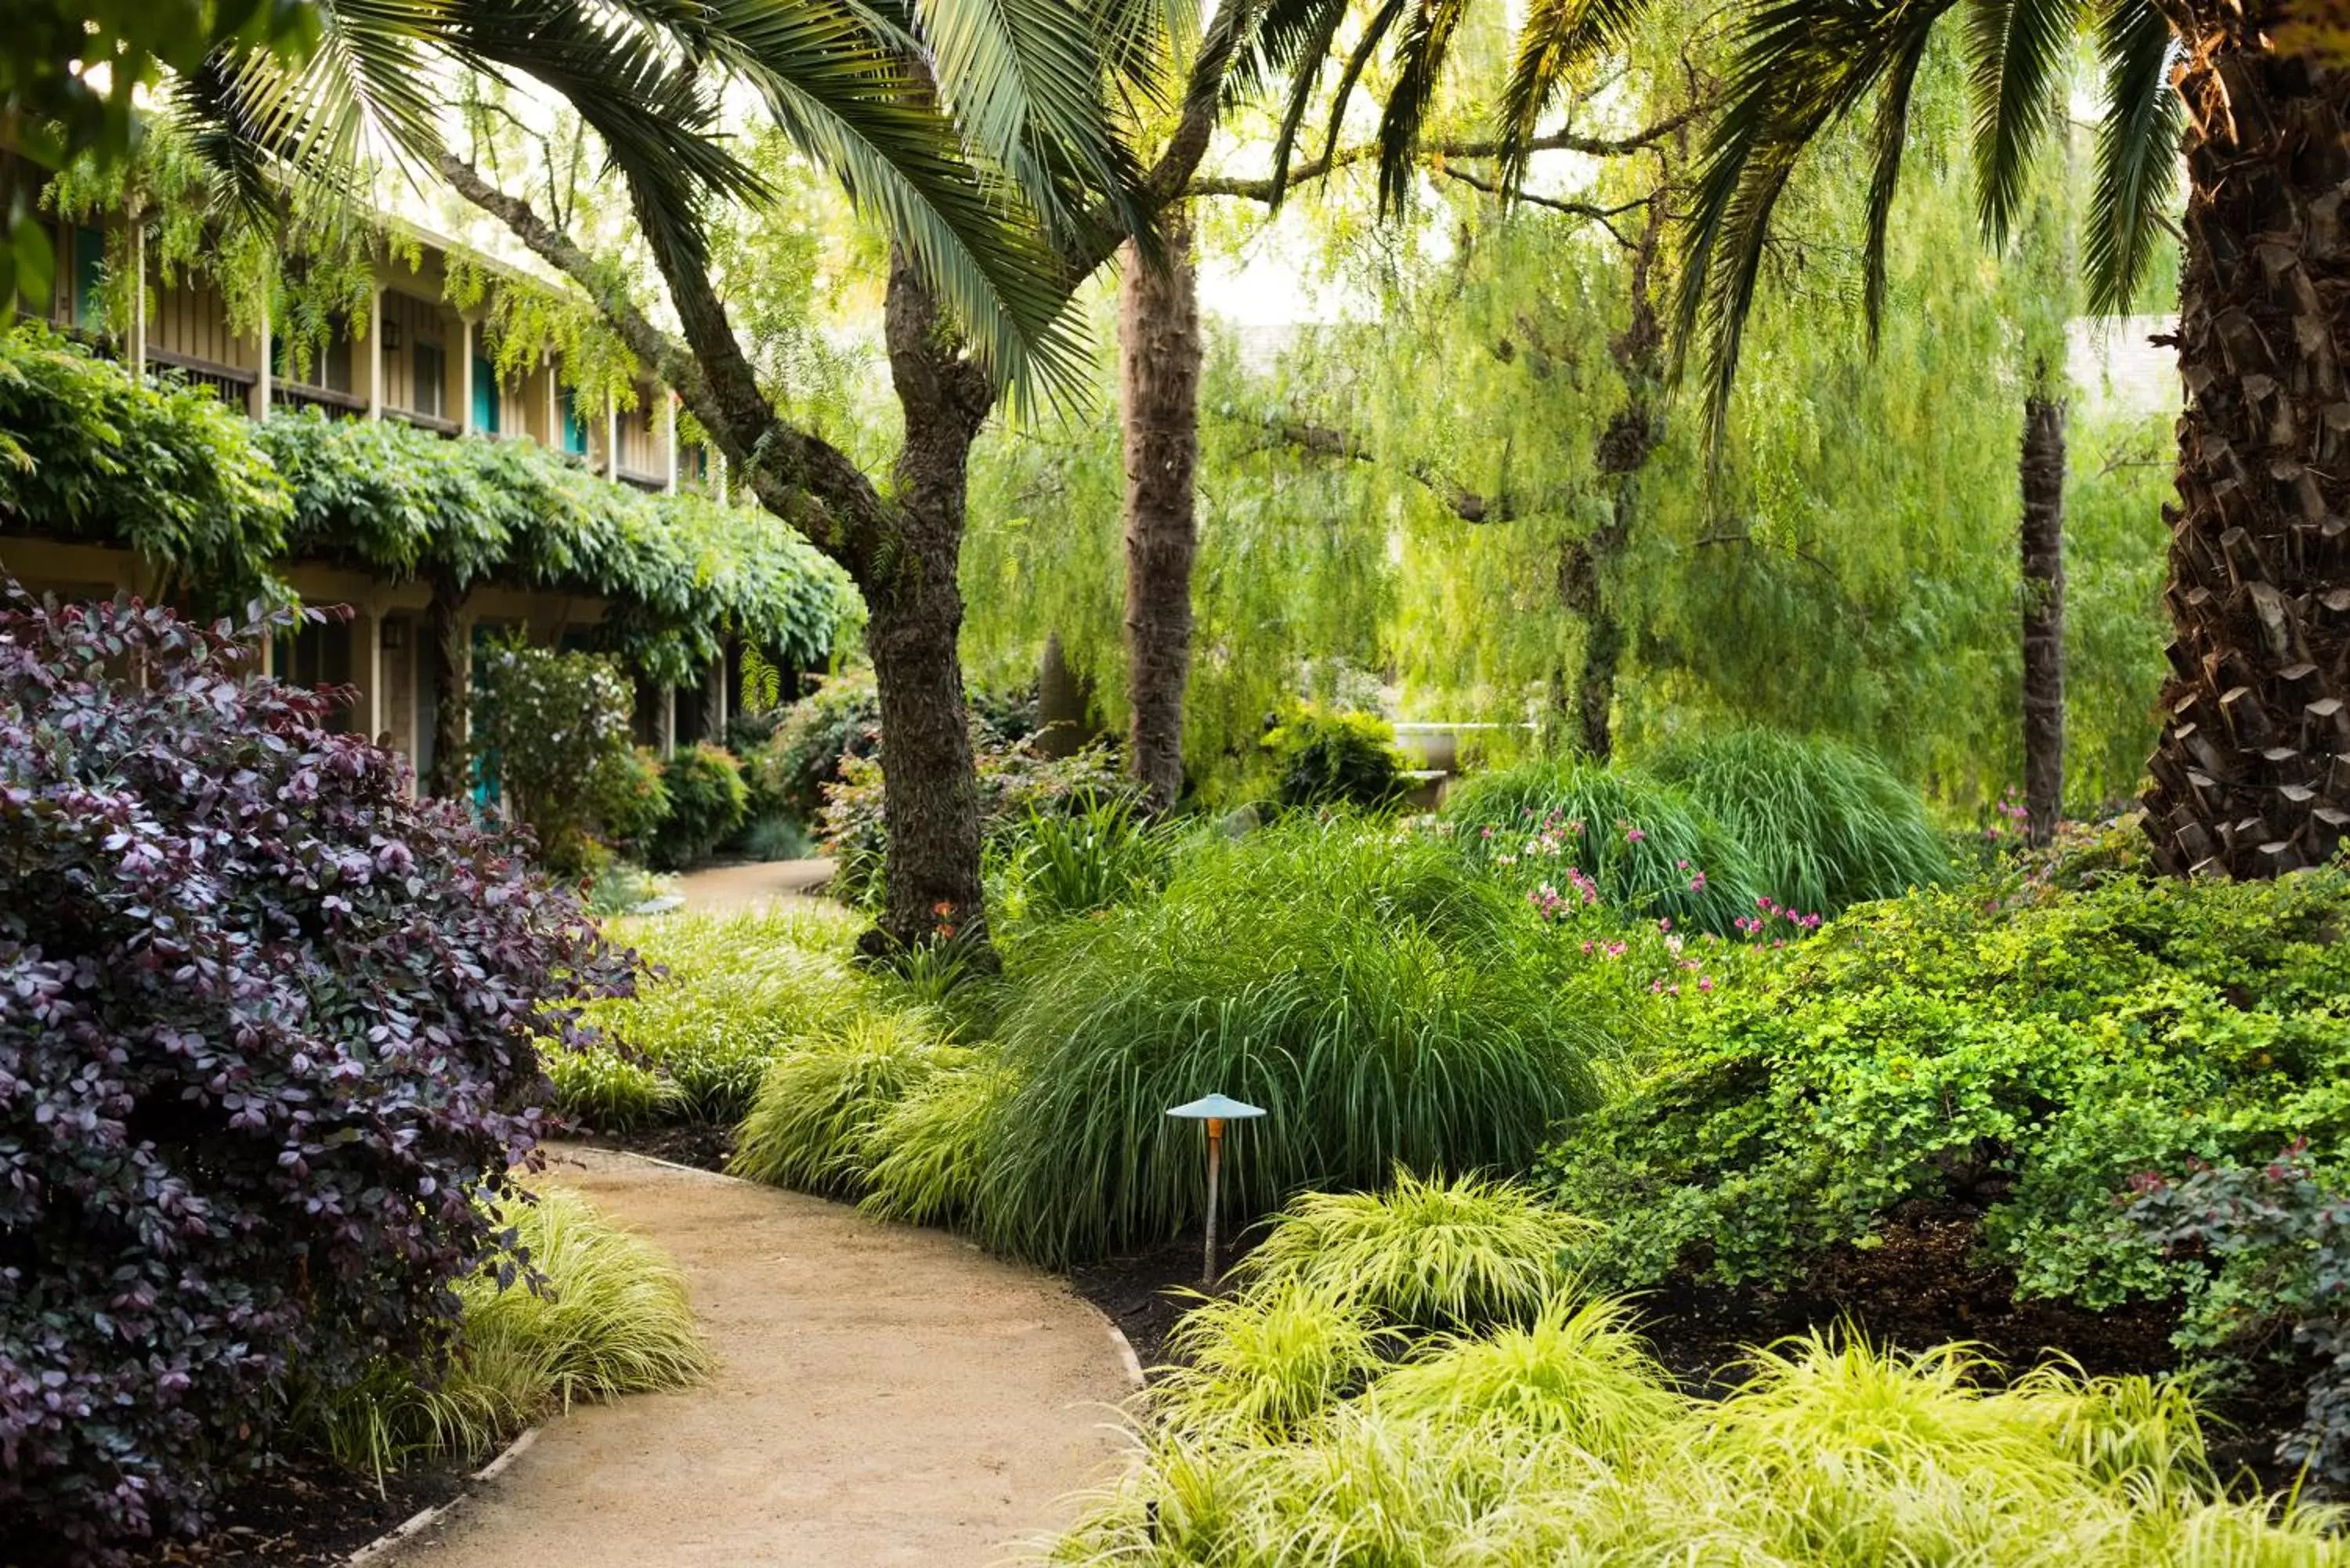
(715, 697)
(555, 431)
(375, 353)
(611, 436)
(466, 374)
(718, 467)
(260, 407)
(367, 672)
(668, 721)
(669, 442)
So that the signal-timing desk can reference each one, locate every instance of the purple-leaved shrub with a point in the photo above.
(267, 1033)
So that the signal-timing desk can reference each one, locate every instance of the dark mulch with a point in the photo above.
(705, 1146)
(1919, 1286)
(308, 1513)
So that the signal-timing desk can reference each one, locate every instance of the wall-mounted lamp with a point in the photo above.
(392, 331)
(395, 636)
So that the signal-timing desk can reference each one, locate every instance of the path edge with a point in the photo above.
(422, 1520)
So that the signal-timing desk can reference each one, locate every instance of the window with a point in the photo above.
(486, 396)
(429, 394)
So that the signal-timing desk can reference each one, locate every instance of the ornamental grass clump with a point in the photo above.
(268, 1052)
(1431, 1253)
(1364, 989)
(1823, 826)
(1562, 1443)
(606, 1315)
(812, 1123)
(922, 1156)
(1263, 1364)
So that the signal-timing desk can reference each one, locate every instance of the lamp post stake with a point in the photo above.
(1215, 1110)
(1215, 1164)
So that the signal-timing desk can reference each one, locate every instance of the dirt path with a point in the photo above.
(883, 1395)
(730, 889)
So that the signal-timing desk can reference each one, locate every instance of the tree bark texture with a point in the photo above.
(1159, 384)
(1622, 451)
(2251, 774)
(929, 791)
(452, 691)
(2042, 536)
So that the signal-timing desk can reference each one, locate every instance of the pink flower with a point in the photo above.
(1705, 983)
(1665, 924)
(1586, 949)
(1633, 836)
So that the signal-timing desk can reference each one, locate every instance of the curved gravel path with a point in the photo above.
(883, 1395)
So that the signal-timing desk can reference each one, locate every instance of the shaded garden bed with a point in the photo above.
(309, 1513)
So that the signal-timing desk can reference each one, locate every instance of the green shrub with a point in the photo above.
(707, 801)
(771, 837)
(1364, 989)
(841, 719)
(818, 1105)
(611, 1318)
(554, 727)
(1823, 826)
(1636, 848)
(2022, 1059)
(1435, 1254)
(1336, 759)
(630, 800)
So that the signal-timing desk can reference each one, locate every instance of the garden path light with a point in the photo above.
(1215, 1110)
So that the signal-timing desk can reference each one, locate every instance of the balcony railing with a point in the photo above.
(297, 395)
(423, 422)
(227, 382)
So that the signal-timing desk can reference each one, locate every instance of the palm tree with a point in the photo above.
(2252, 773)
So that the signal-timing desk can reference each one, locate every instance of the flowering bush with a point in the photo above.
(267, 1031)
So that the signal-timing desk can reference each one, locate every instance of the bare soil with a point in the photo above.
(884, 1395)
(307, 1514)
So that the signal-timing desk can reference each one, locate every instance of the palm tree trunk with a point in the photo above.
(2252, 776)
(929, 791)
(2042, 536)
(1159, 355)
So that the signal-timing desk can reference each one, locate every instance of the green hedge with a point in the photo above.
(171, 472)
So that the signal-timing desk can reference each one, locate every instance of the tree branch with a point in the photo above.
(799, 477)
(1439, 151)
(1323, 440)
(1600, 215)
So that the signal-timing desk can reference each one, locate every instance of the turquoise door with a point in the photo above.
(574, 428)
(486, 396)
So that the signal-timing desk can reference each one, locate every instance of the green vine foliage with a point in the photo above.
(681, 574)
(223, 503)
(163, 469)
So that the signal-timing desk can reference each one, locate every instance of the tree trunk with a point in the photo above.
(2252, 776)
(929, 791)
(452, 691)
(1622, 451)
(2042, 536)
(1064, 704)
(1159, 355)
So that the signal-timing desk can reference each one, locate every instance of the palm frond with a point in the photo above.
(1420, 54)
(2138, 150)
(1293, 39)
(1888, 138)
(2015, 57)
(1375, 31)
(1559, 37)
(1801, 67)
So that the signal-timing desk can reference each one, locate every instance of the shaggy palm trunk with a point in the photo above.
(930, 793)
(2252, 776)
(1159, 355)
(452, 691)
(2043, 616)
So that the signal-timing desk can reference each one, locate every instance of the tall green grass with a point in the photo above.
(611, 1318)
(1823, 826)
(1361, 985)
(1651, 849)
